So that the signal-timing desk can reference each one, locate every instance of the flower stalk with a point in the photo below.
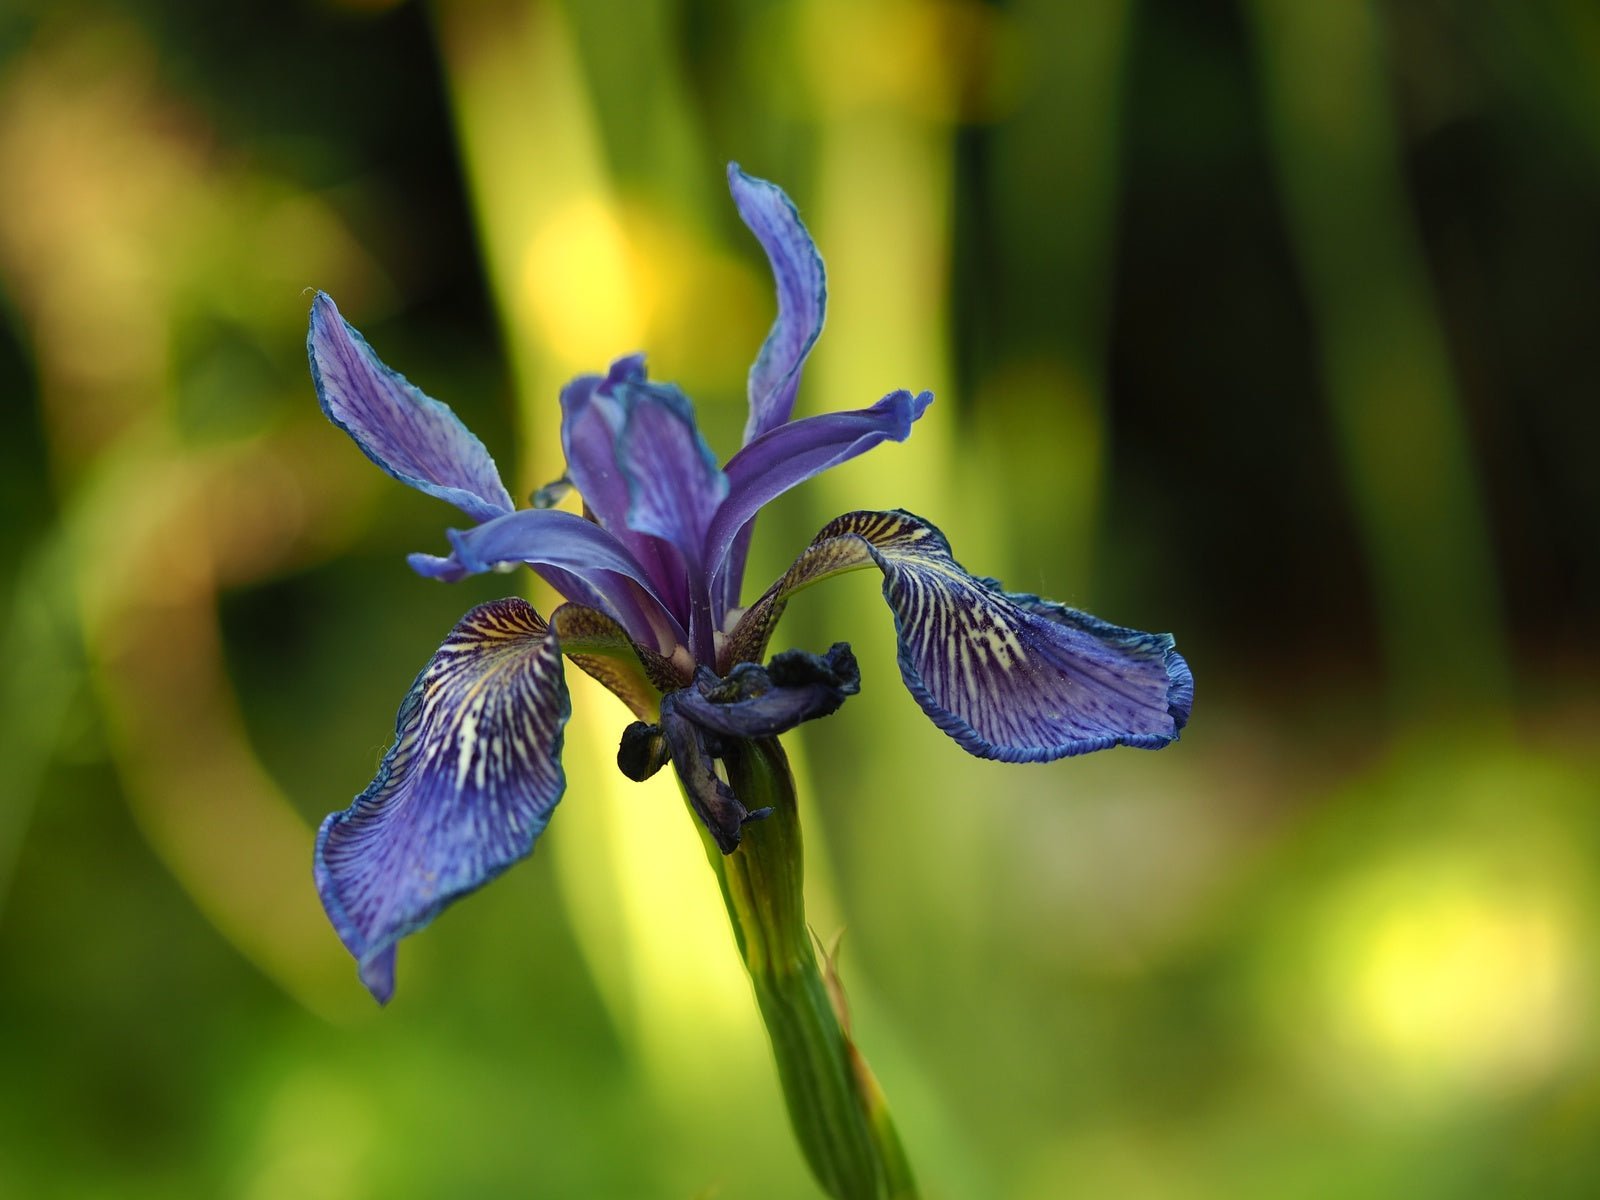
(836, 1107)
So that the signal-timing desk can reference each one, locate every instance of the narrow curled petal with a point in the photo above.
(830, 553)
(412, 436)
(799, 450)
(802, 298)
(1009, 676)
(566, 547)
(467, 787)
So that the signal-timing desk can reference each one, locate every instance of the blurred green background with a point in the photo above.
(1267, 322)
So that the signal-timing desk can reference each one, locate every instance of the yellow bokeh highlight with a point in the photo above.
(1435, 980)
(1456, 985)
(934, 59)
(586, 289)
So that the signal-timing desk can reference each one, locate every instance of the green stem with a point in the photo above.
(837, 1109)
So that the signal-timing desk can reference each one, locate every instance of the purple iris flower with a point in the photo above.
(652, 574)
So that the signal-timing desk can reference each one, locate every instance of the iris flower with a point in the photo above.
(652, 575)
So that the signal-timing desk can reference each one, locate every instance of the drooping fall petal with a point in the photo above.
(1007, 675)
(462, 794)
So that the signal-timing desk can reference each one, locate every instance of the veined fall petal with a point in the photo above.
(603, 650)
(1007, 675)
(462, 794)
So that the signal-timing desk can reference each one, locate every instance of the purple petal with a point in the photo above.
(674, 482)
(591, 422)
(756, 701)
(1009, 676)
(712, 799)
(565, 549)
(636, 456)
(410, 435)
(463, 793)
(793, 453)
(802, 298)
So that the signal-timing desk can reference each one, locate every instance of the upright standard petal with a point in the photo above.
(591, 421)
(636, 455)
(793, 453)
(410, 435)
(674, 481)
(467, 787)
(802, 298)
(1009, 676)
